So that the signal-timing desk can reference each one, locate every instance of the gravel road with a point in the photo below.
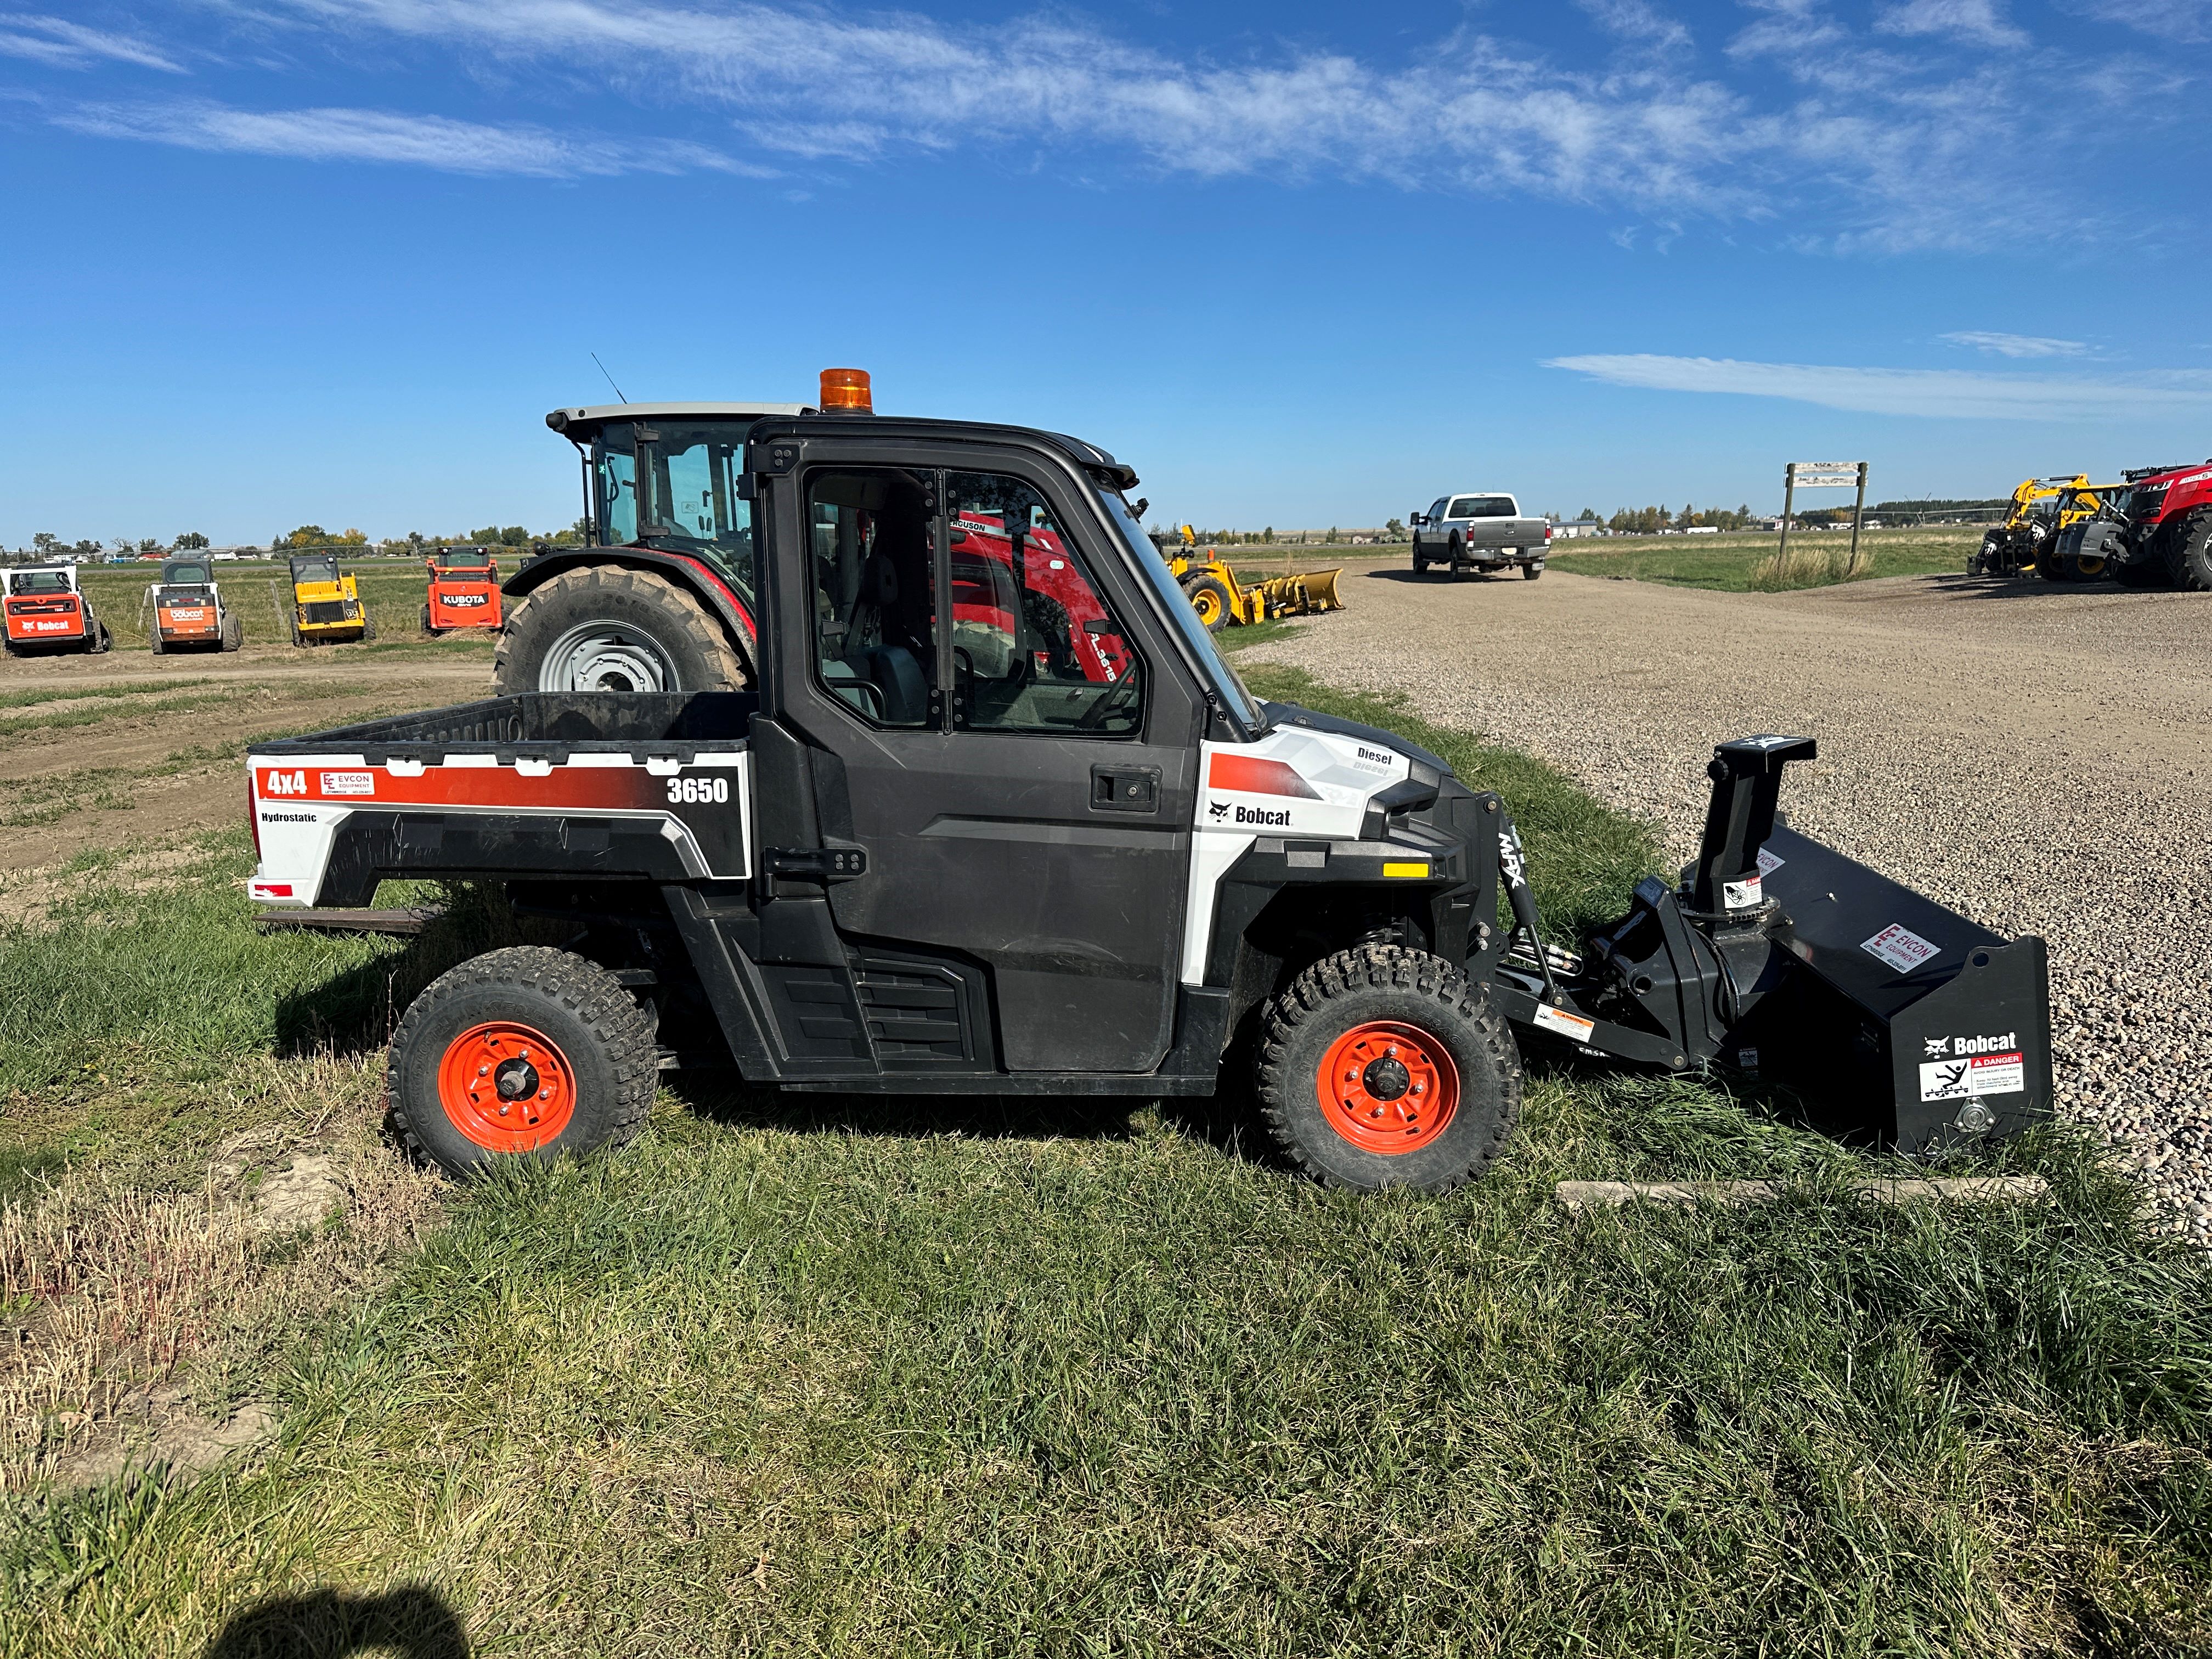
(2036, 756)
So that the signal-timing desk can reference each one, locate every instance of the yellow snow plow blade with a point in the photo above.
(1300, 595)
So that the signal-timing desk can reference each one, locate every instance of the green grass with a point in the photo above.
(1732, 563)
(814, 1376)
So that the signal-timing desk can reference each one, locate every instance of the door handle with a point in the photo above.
(1125, 788)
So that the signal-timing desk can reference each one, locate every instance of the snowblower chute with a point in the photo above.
(1782, 958)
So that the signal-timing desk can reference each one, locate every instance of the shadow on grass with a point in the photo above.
(412, 1621)
(357, 1012)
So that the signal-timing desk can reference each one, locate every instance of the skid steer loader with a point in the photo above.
(45, 611)
(188, 612)
(939, 848)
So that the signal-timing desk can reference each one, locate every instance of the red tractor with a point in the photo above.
(46, 612)
(2153, 530)
(463, 590)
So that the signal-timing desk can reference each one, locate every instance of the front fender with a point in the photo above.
(695, 576)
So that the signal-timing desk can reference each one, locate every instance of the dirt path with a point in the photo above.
(2039, 757)
(90, 769)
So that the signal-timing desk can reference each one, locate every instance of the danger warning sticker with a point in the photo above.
(1566, 1024)
(1901, 948)
(1743, 894)
(1977, 1074)
(349, 783)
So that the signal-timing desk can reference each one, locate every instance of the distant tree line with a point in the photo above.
(1650, 521)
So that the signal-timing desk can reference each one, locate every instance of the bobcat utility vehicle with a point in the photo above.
(995, 816)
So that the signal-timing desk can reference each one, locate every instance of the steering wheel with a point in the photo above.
(1106, 706)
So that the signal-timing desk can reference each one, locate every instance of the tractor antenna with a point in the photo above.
(611, 379)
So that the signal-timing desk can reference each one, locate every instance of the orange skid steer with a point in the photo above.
(463, 590)
(188, 610)
(45, 612)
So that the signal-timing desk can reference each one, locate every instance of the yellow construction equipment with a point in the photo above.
(1220, 599)
(2042, 510)
(327, 607)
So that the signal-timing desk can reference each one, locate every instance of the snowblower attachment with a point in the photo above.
(1781, 958)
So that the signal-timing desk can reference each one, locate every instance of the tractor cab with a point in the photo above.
(463, 590)
(326, 604)
(45, 610)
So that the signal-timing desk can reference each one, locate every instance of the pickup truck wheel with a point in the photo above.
(1385, 1066)
(522, 1053)
(1532, 570)
(606, 629)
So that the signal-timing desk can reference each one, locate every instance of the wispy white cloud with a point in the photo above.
(1979, 20)
(58, 41)
(367, 135)
(1638, 21)
(1952, 393)
(2187, 22)
(2017, 345)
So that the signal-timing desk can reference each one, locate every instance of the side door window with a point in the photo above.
(1435, 510)
(868, 531)
(1034, 647)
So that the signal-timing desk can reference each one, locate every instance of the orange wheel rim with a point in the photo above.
(506, 1087)
(1388, 1088)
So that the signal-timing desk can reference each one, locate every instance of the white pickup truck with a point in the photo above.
(1479, 530)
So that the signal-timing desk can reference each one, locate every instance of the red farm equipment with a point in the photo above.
(463, 590)
(47, 613)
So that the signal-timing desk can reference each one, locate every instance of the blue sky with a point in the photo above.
(275, 261)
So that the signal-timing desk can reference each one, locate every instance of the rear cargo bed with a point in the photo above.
(598, 785)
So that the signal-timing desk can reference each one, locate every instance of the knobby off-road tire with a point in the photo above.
(655, 629)
(368, 629)
(102, 641)
(1385, 1066)
(159, 646)
(426, 629)
(1210, 598)
(234, 632)
(527, 1051)
(2189, 554)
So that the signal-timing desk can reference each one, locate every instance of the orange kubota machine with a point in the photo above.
(45, 612)
(463, 590)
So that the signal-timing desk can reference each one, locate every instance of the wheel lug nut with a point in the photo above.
(483, 1071)
(502, 1111)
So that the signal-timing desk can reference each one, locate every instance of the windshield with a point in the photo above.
(315, 570)
(1242, 706)
(38, 581)
(688, 496)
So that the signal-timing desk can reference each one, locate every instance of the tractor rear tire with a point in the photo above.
(1385, 1066)
(524, 1053)
(1210, 597)
(605, 628)
(233, 633)
(2189, 554)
